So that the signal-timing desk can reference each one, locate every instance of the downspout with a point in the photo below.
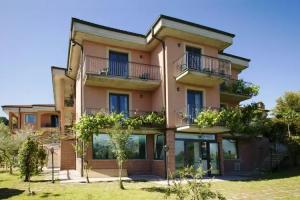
(81, 94)
(20, 122)
(165, 101)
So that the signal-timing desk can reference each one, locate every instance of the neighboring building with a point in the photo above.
(43, 119)
(178, 67)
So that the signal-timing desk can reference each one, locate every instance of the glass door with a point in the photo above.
(214, 158)
(118, 64)
(194, 104)
(193, 58)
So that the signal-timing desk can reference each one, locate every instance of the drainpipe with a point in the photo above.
(20, 122)
(164, 99)
(81, 94)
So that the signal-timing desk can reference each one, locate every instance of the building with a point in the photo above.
(178, 67)
(42, 119)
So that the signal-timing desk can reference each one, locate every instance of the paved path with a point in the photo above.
(73, 176)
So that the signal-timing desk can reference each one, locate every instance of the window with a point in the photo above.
(102, 147)
(159, 153)
(118, 64)
(137, 147)
(54, 121)
(119, 103)
(230, 149)
(30, 119)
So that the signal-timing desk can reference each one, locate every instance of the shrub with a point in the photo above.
(188, 184)
(41, 156)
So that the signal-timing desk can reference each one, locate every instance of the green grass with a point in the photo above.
(279, 185)
(283, 185)
(11, 186)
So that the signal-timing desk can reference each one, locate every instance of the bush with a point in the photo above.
(41, 156)
(189, 186)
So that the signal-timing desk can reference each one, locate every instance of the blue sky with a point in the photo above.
(34, 36)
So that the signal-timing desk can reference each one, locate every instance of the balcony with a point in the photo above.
(202, 70)
(237, 90)
(124, 75)
(185, 121)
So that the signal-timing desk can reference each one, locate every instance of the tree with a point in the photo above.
(287, 110)
(28, 158)
(120, 137)
(9, 146)
(4, 120)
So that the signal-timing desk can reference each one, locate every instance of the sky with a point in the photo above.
(34, 36)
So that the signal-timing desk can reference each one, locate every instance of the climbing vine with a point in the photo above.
(91, 124)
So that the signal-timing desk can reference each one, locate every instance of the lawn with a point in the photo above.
(279, 185)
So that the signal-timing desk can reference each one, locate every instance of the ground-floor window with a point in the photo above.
(159, 153)
(102, 147)
(230, 149)
(137, 147)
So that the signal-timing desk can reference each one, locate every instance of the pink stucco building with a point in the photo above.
(177, 67)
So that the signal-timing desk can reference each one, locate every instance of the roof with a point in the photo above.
(189, 23)
(234, 56)
(105, 27)
(155, 23)
(28, 106)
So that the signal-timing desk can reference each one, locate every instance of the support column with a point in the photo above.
(171, 152)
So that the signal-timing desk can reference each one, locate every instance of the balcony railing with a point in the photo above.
(203, 64)
(188, 114)
(130, 113)
(239, 87)
(112, 68)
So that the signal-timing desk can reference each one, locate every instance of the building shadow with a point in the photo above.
(155, 189)
(6, 193)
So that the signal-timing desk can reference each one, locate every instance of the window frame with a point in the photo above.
(32, 114)
(236, 148)
(146, 152)
(118, 101)
(154, 148)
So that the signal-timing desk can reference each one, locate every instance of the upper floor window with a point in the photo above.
(230, 149)
(30, 118)
(118, 64)
(119, 103)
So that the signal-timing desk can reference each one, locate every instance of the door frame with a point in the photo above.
(207, 149)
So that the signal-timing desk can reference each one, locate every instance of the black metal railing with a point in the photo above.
(113, 68)
(188, 114)
(204, 64)
(239, 87)
(129, 113)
